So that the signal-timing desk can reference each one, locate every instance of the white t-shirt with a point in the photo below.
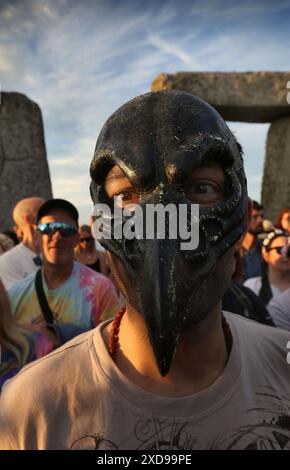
(254, 283)
(16, 264)
(279, 309)
(81, 400)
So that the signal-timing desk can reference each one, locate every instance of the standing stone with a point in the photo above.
(24, 170)
(276, 179)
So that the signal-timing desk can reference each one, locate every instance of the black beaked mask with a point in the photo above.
(158, 140)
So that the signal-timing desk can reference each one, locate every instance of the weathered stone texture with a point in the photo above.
(246, 96)
(24, 170)
(276, 179)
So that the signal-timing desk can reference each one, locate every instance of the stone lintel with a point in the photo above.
(237, 96)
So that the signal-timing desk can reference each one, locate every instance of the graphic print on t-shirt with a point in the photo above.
(161, 433)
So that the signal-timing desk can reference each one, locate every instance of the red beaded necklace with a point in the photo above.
(114, 334)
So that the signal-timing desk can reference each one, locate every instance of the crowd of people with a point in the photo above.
(173, 354)
(267, 262)
(49, 294)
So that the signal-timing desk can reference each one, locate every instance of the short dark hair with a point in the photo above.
(257, 206)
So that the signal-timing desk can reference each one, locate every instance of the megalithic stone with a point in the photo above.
(249, 97)
(237, 96)
(24, 170)
(276, 179)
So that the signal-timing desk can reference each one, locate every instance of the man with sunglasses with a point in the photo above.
(172, 372)
(76, 296)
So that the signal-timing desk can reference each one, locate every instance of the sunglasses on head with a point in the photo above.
(281, 250)
(86, 239)
(66, 230)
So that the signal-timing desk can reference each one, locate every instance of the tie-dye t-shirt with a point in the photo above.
(84, 299)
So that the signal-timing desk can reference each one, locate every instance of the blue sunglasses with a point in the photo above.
(66, 230)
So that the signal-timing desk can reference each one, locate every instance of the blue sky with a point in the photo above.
(80, 60)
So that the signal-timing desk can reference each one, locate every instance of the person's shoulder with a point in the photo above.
(252, 281)
(282, 299)
(14, 260)
(92, 276)
(257, 332)
(86, 270)
(60, 366)
(10, 255)
(263, 351)
(279, 307)
(22, 285)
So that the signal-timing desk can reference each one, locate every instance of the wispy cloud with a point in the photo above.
(81, 60)
(172, 49)
(227, 10)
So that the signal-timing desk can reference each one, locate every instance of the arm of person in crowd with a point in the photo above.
(279, 309)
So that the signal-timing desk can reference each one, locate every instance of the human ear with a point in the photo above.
(265, 255)
(29, 219)
(37, 239)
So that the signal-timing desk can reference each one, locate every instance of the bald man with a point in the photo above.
(23, 259)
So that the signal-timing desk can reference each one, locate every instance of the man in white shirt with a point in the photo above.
(23, 259)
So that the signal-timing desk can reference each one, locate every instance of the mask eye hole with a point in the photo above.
(119, 189)
(206, 184)
(204, 192)
(127, 196)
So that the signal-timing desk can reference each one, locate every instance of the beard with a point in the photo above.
(256, 231)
